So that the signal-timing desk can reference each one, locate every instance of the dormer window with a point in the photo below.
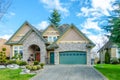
(52, 38)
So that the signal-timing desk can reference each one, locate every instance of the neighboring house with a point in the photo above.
(63, 45)
(112, 50)
(2, 45)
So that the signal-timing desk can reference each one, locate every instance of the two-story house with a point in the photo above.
(65, 44)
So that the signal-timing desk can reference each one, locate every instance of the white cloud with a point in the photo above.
(42, 25)
(99, 40)
(103, 5)
(9, 15)
(85, 31)
(55, 4)
(89, 24)
(5, 36)
(99, 8)
(12, 13)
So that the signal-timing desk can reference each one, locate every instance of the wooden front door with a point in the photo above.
(37, 56)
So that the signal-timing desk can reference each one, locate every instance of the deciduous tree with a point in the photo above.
(4, 5)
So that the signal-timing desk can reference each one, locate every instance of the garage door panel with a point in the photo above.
(73, 57)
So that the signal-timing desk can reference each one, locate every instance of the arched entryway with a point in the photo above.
(34, 51)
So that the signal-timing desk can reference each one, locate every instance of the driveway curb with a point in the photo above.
(105, 78)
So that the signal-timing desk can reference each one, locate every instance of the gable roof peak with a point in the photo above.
(32, 28)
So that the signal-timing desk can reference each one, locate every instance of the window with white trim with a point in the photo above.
(18, 50)
(119, 52)
(52, 38)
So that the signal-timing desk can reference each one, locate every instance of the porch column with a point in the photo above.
(88, 57)
(11, 51)
(43, 55)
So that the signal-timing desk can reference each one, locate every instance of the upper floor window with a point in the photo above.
(52, 38)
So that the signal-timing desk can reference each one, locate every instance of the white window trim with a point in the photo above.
(52, 38)
(117, 52)
(18, 49)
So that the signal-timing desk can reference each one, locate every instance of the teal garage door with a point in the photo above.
(74, 57)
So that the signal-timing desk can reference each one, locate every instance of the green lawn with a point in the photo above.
(112, 72)
(11, 74)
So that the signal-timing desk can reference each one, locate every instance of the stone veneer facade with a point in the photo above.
(72, 47)
(31, 40)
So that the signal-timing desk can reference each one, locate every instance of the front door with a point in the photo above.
(37, 56)
(51, 57)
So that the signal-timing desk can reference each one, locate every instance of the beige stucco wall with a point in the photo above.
(20, 33)
(72, 36)
(51, 32)
(113, 52)
(2, 45)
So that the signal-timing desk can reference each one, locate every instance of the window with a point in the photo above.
(52, 38)
(18, 50)
(49, 39)
(119, 52)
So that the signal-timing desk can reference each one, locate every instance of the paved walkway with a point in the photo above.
(68, 72)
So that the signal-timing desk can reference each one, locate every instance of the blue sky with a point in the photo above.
(87, 15)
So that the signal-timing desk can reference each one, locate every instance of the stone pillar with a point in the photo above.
(43, 55)
(26, 54)
(56, 57)
(88, 57)
(11, 51)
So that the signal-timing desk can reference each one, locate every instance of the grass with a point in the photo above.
(112, 72)
(10, 74)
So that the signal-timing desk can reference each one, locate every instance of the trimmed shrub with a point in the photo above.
(4, 49)
(42, 64)
(107, 57)
(34, 68)
(119, 60)
(21, 63)
(114, 60)
(11, 62)
(36, 62)
(29, 67)
(38, 67)
(3, 56)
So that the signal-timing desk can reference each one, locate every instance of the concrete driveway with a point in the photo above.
(69, 72)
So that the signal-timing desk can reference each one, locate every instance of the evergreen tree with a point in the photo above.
(55, 18)
(3, 56)
(107, 57)
(113, 26)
